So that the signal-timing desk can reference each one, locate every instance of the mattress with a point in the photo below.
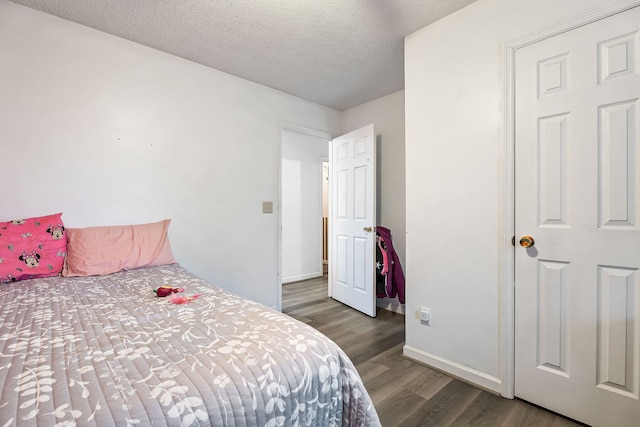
(104, 351)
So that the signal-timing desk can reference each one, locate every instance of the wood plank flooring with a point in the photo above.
(405, 393)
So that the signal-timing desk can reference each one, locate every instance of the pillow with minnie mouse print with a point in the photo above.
(31, 248)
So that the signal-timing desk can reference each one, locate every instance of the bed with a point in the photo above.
(105, 350)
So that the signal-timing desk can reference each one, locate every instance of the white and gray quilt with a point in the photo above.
(105, 351)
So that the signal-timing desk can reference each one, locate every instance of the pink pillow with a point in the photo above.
(96, 251)
(32, 247)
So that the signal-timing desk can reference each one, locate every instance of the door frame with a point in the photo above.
(292, 127)
(508, 250)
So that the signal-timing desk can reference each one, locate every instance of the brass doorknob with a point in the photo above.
(368, 229)
(527, 241)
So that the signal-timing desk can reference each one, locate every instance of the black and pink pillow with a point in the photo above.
(32, 247)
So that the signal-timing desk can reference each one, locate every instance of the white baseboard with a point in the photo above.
(300, 277)
(454, 369)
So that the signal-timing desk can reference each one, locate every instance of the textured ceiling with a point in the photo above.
(339, 53)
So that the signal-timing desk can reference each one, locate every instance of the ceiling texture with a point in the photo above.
(338, 53)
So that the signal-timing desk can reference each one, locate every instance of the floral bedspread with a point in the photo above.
(106, 351)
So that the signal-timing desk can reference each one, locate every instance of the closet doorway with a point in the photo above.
(577, 265)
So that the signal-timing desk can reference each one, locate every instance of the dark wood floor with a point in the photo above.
(404, 393)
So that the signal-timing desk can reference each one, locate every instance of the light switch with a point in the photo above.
(267, 207)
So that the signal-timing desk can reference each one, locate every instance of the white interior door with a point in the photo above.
(578, 194)
(352, 220)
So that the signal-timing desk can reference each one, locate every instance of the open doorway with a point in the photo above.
(304, 199)
(351, 213)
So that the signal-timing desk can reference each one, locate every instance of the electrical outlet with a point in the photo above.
(267, 207)
(425, 316)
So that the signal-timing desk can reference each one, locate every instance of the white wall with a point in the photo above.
(455, 175)
(387, 116)
(302, 157)
(110, 132)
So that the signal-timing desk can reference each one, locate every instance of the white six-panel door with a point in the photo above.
(352, 220)
(578, 195)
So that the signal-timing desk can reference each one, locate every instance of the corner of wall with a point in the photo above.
(464, 373)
